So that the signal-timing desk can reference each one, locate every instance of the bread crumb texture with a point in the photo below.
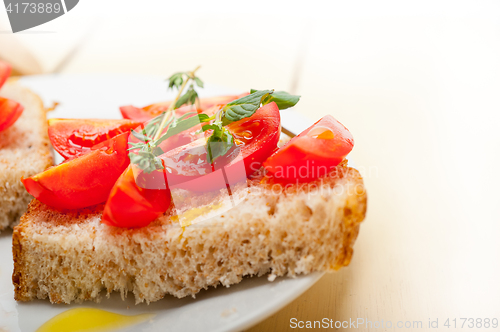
(71, 257)
(24, 151)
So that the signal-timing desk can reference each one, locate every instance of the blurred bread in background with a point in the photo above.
(24, 151)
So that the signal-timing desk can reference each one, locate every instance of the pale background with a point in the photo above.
(417, 84)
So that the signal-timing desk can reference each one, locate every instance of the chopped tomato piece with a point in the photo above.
(256, 139)
(131, 206)
(5, 70)
(189, 135)
(10, 111)
(83, 181)
(149, 112)
(136, 113)
(258, 136)
(181, 139)
(74, 137)
(313, 153)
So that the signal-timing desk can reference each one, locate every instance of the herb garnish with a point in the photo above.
(145, 153)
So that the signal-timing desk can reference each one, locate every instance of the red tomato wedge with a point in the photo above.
(313, 153)
(149, 112)
(10, 111)
(83, 181)
(184, 137)
(74, 137)
(5, 70)
(256, 138)
(131, 206)
(189, 135)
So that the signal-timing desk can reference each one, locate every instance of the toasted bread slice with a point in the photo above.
(71, 256)
(24, 151)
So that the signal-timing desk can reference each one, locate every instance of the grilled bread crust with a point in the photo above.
(24, 151)
(71, 256)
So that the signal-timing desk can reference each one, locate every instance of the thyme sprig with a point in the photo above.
(145, 153)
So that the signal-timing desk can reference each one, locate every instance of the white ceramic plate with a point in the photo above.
(221, 309)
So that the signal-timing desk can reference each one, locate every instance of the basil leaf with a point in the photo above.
(181, 126)
(244, 107)
(219, 143)
(282, 99)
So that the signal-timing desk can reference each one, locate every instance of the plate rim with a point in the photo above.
(250, 319)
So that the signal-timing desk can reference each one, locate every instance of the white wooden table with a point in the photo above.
(417, 85)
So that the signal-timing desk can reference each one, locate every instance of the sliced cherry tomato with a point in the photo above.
(256, 139)
(184, 137)
(10, 111)
(5, 70)
(74, 137)
(131, 206)
(313, 153)
(149, 112)
(83, 181)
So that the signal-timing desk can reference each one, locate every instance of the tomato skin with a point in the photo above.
(186, 136)
(147, 113)
(75, 137)
(10, 111)
(264, 142)
(180, 139)
(131, 206)
(188, 163)
(5, 70)
(83, 181)
(312, 153)
(135, 113)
